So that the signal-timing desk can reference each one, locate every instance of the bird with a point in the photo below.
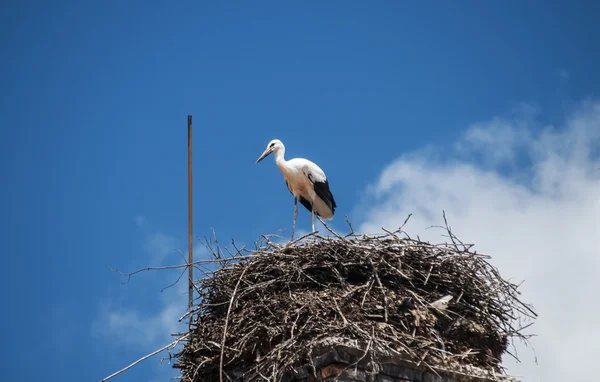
(305, 181)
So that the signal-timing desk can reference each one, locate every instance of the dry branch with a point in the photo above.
(166, 347)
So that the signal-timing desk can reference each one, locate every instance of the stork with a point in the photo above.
(306, 181)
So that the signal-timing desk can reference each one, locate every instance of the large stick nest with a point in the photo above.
(261, 314)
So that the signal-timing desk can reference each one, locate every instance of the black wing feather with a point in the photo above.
(323, 192)
(306, 204)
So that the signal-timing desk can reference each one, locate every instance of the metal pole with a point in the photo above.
(190, 251)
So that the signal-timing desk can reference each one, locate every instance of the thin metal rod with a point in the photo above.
(190, 249)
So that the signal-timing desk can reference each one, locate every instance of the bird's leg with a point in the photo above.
(295, 215)
(312, 219)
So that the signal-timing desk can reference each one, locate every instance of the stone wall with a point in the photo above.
(347, 364)
(341, 373)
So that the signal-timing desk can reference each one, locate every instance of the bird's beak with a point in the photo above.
(265, 154)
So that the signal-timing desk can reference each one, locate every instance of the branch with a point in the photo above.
(329, 229)
(300, 239)
(171, 345)
(175, 282)
(128, 275)
(405, 221)
(227, 321)
(351, 228)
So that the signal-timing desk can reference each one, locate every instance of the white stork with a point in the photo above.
(306, 181)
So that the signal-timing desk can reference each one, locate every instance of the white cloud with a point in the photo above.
(136, 328)
(139, 220)
(142, 326)
(564, 74)
(144, 330)
(539, 220)
(160, 246)
(499, 141)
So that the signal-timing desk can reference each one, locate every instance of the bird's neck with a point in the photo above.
(280, 160)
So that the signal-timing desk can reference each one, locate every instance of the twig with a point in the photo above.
(329, 229)
(351, 233)
(364, 354)
(390, 233)
(227, 322)
(175, 282)
(340, 312)
(428, 274)
(295, 241)
(405, 221)
(161, 268)
(172, 344)
(385, 301)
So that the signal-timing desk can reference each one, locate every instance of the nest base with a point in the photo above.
(346, 363)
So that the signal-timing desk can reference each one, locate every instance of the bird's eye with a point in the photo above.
(272, 144)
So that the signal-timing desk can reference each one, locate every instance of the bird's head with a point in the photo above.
(273, 146)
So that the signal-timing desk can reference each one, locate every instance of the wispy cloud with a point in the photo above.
(139, 220)
(150, 322)
(540, 222)
(142, 329)
(160, 246)
(564, 74)
(499, 141)
(143, 326)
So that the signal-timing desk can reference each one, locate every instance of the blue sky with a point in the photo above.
(94, 99)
